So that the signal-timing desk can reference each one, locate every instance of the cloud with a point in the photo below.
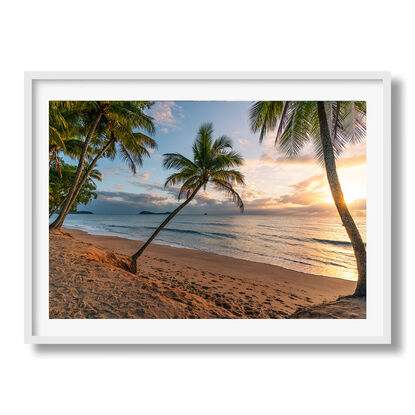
(131, 197)
(174, 191)
(304, 198)
(307, 192)
(274, 206)
(166, 114)
(118, 202)
(144, 176)
(303, 159)
(309, 197)
(206, 199)
(249, 192)
(358, 204)
(119, 186)
(342, 162)
(111, 171)
(313, 182)
(351, 161)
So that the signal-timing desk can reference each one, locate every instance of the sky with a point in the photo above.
(274, 184)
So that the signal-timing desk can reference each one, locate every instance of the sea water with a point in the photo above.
(313, 245)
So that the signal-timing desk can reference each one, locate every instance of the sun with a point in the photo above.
(350, 194)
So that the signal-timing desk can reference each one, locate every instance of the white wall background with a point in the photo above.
(208, 35)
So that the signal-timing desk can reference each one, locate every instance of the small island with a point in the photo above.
(146, 212)
(81, 212)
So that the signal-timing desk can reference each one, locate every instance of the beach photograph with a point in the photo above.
(207, 209)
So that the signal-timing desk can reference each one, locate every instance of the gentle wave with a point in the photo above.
(187, 231)
(319, 247)
(209, 234)
(182, 231)
(331, 242)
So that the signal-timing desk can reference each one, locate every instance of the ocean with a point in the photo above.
(313, 245)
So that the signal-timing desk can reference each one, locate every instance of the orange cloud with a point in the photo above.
(308, 197)
(358, 204)
(304, 159)
(313, 181)
(310, 159)
(351, 161)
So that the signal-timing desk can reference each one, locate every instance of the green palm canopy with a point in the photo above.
(296, 123)
(213, 162)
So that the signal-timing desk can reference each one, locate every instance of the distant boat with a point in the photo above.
(205, 214)
(147, 212)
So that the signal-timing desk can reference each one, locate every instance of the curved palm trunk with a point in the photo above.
(57, 207)
(157, 231)
(59, 220)
(337, 193)
(85, 177)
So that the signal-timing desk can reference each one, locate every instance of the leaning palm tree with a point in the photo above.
(90, 118)
(213, 162)
(113, 122)
(329, 126)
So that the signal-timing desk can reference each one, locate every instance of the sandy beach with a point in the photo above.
(89, 279)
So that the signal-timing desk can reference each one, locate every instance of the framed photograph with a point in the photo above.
(207, 207)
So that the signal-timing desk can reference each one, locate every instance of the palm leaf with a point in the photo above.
(230, 192)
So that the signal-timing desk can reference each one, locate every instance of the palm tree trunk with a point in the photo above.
(85, 177)
(157, 231)
(59, 220)
(337, 193)
(57, 207)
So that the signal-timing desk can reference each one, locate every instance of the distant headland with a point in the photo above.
(81, 212)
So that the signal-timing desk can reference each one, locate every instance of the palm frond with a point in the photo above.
(127, 158)
(188, 187)
(204, 144)
(231, 176)
(264, 116)
(177, 161)
(180, 177)
(296, 132)
(222, 144)
(230, 192)
(282, 121)
(228, 160)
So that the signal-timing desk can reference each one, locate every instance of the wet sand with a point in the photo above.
(89, 279)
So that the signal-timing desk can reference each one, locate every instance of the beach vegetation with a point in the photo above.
(106, 129)
(60, 180)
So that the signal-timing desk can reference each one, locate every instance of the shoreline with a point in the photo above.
(88, 279)
(86, 237)
(70, 230)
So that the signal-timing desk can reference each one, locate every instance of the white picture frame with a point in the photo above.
(375, 87)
